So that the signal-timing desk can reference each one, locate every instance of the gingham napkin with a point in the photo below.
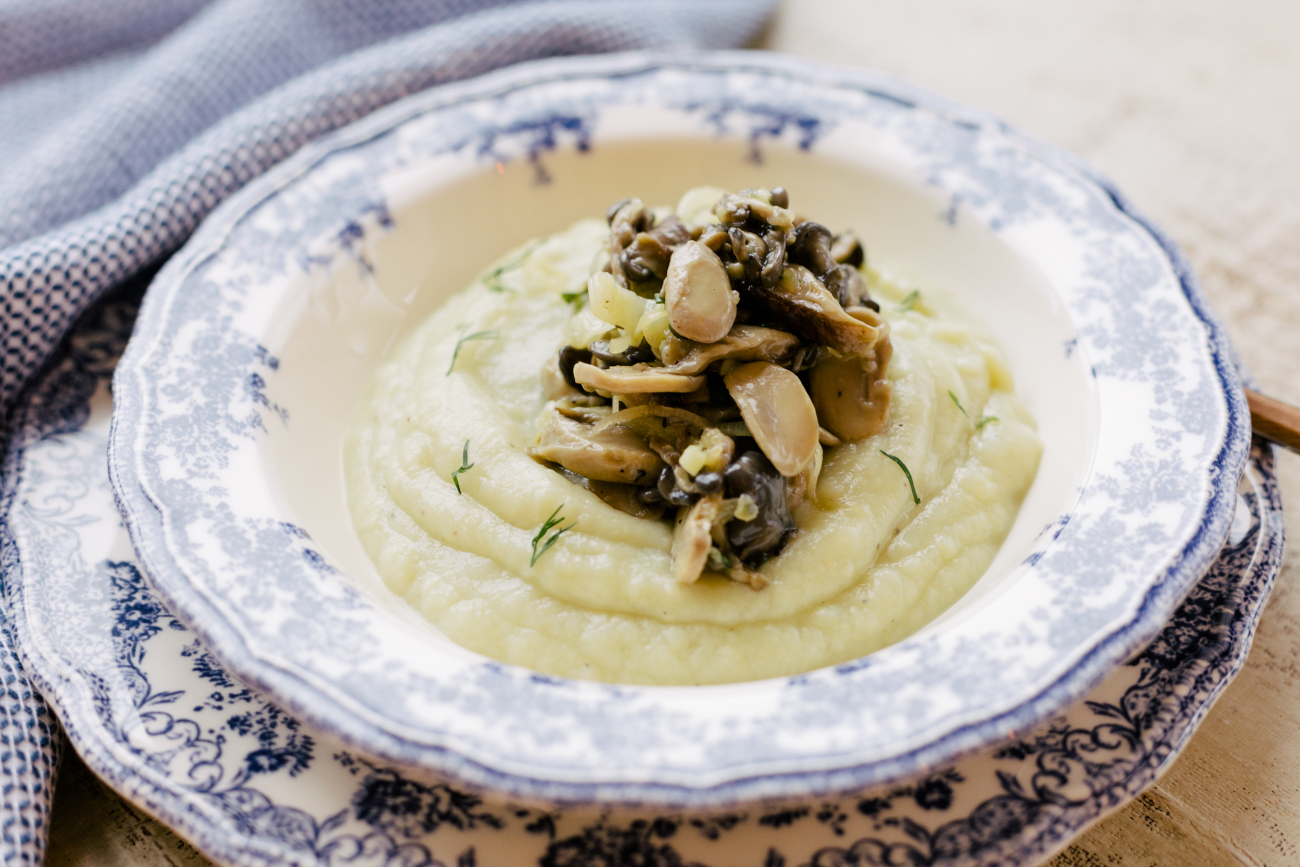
(123, 123)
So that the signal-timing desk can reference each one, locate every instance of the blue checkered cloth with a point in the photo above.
(123, 123)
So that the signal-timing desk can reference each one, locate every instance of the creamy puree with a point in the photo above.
(866, 568)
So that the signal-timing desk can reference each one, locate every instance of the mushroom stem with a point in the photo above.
(634, 379)
(692, 538)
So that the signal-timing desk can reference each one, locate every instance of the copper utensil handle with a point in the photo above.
(1275, 420)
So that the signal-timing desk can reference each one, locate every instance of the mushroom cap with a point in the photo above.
(851, 393)
(742, 343)
(804, 305)
(611, 455)
(698, 294)
(778, 413)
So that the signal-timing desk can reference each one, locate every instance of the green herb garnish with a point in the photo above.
(719, 561)
(546, 528)
(466, 338)
(910, 301)
(958, 402)
(465, 467)
(985, 420)
(493, 279)
(577, 299)
(902, 466)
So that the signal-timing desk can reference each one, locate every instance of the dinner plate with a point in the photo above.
(145, 703)
(256, 339)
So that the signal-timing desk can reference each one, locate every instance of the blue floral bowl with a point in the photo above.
(256, 339)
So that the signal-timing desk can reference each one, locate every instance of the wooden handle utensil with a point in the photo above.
(1275, 420)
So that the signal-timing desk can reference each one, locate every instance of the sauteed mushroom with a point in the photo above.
(852, 394)
(761, 259)
(634, 379)
(600, 351)
(742, 343)
(612, 455)
(701, 303)
(813, 313)
(810, 246)
(625, 499)
(738, 208)
(647, 256)
(752, 540)
(761, 327)
(848, 287)
(570, 356)
(778, 413)
(846, 249)
(692, 538)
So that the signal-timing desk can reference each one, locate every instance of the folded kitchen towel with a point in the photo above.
(124, 122)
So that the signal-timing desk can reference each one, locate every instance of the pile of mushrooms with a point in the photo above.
(708, 369)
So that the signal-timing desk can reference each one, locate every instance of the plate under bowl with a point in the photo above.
(256, 339)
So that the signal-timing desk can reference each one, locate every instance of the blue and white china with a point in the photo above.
(150, 709)
(255, 340)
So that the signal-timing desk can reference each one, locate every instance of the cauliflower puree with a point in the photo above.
(448, 499)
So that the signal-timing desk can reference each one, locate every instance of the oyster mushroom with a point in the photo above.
(647, 256)
(737, 208)
(568, 357)
(626, 218)
(742, 343)
(692, 538)
(778, 413)
(761, 259)
(811, 311)
(601, 351)
(714, 237)
(848, 287)
(555, 384)
(701, 303)
(847, 250)
(766, 532)
(810, 246)
(634, 379)
(625, 498)
(610, 455)
(851, 393)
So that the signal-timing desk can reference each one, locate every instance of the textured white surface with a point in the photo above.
(1193, 108)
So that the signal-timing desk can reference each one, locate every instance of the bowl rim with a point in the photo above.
(143, 514)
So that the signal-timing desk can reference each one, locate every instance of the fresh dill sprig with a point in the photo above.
(493, 279)
(985, 420)
(958, 403)
(546, 528)
(910, 300)
(465, 467)
(902, 466)
(466, 338)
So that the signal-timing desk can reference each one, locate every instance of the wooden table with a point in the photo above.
(1193, 107)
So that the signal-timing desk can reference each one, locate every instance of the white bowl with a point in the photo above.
(256, 339)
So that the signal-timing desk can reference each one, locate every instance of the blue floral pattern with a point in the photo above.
(155, 714)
